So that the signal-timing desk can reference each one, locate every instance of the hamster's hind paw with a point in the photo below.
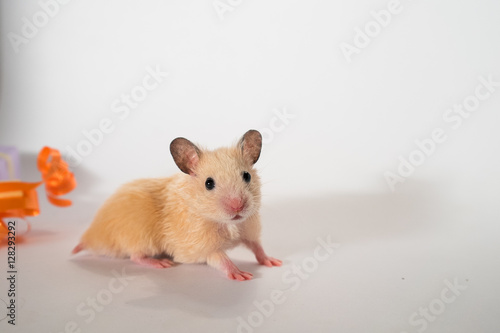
(152, 262)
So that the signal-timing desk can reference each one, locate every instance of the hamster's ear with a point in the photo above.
(251, 144)
(186, 155)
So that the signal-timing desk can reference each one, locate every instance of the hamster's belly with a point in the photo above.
(196, 244)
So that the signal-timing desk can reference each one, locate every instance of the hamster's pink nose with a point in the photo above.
(235, 205)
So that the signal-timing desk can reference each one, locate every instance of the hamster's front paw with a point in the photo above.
(235, 274)
(221, 261)
(269, 261)
(260, 255)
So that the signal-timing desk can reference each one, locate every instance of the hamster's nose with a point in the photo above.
(235, 205)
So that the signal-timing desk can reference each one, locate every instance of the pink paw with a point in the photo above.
(236, 274)
(269, 261)
(222, 262)
(152, 262)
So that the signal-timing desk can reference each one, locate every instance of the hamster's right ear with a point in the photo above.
(186, 155)
(251, 145)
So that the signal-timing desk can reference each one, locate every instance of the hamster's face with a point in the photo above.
(225, 187)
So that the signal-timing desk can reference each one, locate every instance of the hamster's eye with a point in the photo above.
(209, 184)
(246, 177)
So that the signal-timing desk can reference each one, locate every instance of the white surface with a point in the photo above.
(323, 171)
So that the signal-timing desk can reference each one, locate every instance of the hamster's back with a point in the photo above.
(127, 218)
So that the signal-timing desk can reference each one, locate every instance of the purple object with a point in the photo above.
(9, 163)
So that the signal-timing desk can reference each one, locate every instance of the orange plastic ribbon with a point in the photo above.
(56, 176)
(19, 199)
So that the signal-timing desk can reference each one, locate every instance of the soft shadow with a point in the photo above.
(290, 227)
(195, 288)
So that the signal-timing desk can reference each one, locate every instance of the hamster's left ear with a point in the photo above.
(251, 145)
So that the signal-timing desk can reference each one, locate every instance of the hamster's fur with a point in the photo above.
(184, 217)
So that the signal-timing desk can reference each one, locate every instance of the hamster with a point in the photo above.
(191, 217)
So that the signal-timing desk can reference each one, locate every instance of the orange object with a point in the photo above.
(56, 176)
(19, 199)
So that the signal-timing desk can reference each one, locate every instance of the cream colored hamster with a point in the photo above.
(191, 217)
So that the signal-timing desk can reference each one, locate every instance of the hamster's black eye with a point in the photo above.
(246, 177)
(209, 184)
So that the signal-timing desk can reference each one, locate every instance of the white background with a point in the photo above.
(354, 119)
